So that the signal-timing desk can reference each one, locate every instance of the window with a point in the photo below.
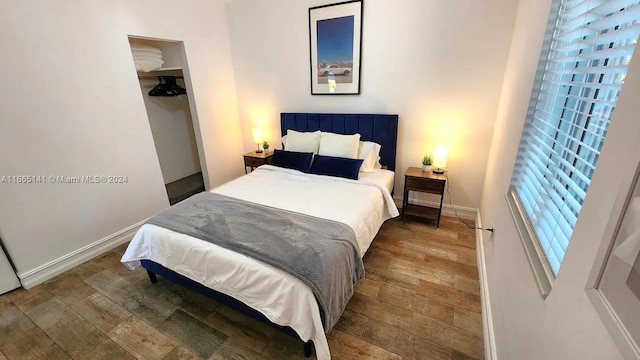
(588, 46)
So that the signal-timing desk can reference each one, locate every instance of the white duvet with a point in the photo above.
(363, 205)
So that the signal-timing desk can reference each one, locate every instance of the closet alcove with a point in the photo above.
(170, 116)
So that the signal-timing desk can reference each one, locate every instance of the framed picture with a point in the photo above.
(335, 34)
(614, 282)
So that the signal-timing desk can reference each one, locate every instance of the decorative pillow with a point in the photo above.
(292, 159)
(368, 151)
(345, 146)
(302, 141)
(336, 166)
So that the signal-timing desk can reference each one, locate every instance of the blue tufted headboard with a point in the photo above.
(379, 128)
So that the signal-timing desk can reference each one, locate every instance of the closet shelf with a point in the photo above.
(174, 68)
(167, 71)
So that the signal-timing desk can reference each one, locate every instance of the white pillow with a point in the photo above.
(368, 151)
(302, 141)
(345, 146)
(378, 166)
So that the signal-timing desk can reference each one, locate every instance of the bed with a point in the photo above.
(258, 289)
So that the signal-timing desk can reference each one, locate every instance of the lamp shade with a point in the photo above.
(257, 135)
(440, 157)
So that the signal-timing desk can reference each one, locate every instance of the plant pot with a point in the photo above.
(266, 150)
(426, 167)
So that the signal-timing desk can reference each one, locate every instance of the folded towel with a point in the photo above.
(149, 61)
(146, 61)
(152, 49)
(149, 58)
(148, 54)
(146, 58)
(147, 65)
(146, 68)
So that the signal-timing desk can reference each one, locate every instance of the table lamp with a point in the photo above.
(257, 138)
(440, 159)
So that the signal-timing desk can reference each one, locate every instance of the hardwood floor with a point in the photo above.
(419, 300)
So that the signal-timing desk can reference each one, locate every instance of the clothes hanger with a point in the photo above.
(167, 87)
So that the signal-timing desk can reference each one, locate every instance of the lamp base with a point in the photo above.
(438, 171)
(259, 151)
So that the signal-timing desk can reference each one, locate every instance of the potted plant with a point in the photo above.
(427, 160)
(265, 146)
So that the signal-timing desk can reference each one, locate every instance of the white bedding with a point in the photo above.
(382, 177)
(285, 300)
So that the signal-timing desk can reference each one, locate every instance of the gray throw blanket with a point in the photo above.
(322, 253)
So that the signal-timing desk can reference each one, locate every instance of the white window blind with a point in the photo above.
(590, 45)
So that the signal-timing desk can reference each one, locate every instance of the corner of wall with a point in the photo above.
(53, 268)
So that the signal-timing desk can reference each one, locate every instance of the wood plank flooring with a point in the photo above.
(420, 300)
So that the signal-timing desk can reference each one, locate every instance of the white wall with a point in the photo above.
(71, 105)
(173, 135)
(8, 278)
(565, 325)
(438, 64)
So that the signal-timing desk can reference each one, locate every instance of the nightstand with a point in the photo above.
(426, 182)
(254, 159)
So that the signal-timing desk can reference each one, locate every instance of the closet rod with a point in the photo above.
(156, 78)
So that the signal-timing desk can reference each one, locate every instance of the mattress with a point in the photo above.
(361, 204)
(382, 177)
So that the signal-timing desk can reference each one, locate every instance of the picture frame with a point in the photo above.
(613, 285)
(335, 42)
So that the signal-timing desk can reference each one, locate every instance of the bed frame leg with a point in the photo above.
(307, 348)
(152, 277)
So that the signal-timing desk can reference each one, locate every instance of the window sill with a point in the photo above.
(541, 271)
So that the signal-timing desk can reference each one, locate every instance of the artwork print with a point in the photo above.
(335, 32)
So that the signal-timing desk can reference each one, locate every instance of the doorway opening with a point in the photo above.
(168, 98)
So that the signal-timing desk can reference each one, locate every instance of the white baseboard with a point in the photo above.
(487, 318)
(49, 270)
(447, 210)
